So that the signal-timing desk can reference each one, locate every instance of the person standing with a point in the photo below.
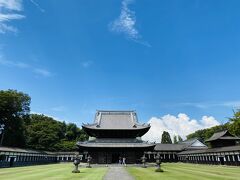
(120, 161)
(124, 161)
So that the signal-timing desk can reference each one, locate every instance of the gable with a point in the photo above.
(197, 143)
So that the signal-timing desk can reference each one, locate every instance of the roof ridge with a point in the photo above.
(116, 110)
(218, 135)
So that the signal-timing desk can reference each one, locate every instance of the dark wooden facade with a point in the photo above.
(111, 155)
(115, 134)
(222, 139)
(223, 150)
(169, 152)
(219, 156)
(13, 157)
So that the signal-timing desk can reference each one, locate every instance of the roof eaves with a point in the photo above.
(216, 136)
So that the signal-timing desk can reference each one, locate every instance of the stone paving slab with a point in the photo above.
(117, 172)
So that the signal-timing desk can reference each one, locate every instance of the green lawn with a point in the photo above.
(53, 171)
(182, 171)
(176, 171)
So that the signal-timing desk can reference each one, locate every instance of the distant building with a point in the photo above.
(222, 139)
(12, 157)
(169, 152)
(223, 150)
(115, 134)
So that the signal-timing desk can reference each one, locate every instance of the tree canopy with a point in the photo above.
(233, 126)
(180, 139)
(45, 133)
(35, 131)
(177, 139)
(14, 108)
(166, 139)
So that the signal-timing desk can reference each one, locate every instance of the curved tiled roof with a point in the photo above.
(169, 147)
(30, 151)
(184, 145)
(222, 135)
(212, 150)
(112, 120)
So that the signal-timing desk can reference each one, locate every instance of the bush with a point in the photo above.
(159, 170)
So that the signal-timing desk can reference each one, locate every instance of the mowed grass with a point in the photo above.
(181, 171)
(176, 171)
(53, 171)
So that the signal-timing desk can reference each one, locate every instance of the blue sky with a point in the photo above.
(157, 57)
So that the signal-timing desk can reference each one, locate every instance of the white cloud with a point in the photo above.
(177, 125)
(21, 65)
(86, 64)
(59, 108)
(9, 17)
(37, 5)
(42, 72)
(6, 28)
(11, 4)
(232, 104)
(203, 105)
(126, 23)
(13, 64)
(9, 10)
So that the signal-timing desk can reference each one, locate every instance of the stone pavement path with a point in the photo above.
(117, 172)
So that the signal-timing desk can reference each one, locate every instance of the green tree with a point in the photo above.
(205, 134)
(63, 130)
(180, 139)
(166, 139)
(65, 145)
(43, 132)
(83, 136)
(34, 131)
(234, 125)
(175, 141)
(14, 108)
(72, 131)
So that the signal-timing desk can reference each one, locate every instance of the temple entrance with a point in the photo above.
(221, 159)
(115, 157)
(11, 161)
